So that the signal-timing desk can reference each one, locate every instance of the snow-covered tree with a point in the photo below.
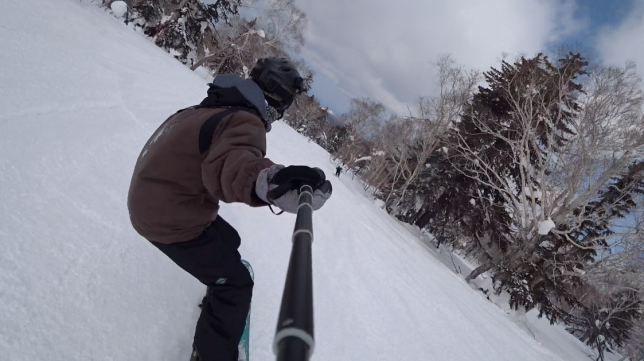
(307, 117)
(361, 124)
(399, 168)
(548, 159)
(277, 31)
(185, 28)
(605, 319)
(284, 22)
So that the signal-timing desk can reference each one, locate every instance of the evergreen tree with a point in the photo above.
(504, 182)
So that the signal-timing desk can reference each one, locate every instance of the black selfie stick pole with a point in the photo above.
(294, 335)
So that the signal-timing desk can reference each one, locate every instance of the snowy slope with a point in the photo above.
(79, 95)
(554, 337)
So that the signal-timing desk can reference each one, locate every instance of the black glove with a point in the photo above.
(279, 185)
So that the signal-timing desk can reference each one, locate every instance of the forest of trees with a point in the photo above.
(537, 176)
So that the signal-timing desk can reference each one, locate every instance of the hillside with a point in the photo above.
(80, 94)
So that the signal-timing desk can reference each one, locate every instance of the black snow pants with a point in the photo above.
(213, 259)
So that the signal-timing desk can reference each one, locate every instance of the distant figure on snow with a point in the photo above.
(338, 170)
(210, 153)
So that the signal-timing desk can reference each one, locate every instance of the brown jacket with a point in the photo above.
(175, 190)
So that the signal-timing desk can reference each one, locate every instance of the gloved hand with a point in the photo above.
(278, 185)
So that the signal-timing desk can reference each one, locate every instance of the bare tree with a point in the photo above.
(605, 318)
(237, 46)
(279, 28)
(361, 125)
(390, 152)
(421, 135)
(620, 271)
(306, 116)
(285, 24)
(634, 347)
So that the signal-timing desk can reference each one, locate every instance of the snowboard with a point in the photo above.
(244, 342)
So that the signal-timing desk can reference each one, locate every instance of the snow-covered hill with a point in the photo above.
(80, 93)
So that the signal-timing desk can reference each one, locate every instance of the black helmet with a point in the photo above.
(280, 81)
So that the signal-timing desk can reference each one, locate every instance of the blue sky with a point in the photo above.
(598, 15)
(384, 51)
(605, 12)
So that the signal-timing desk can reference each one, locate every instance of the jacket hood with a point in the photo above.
(247, 87)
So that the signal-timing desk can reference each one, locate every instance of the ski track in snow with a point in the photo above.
(80, 94)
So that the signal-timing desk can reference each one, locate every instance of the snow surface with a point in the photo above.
(379, 203)
(554, 337)
(546, 226)
(204, 73)
(119, 8)
(80, 94)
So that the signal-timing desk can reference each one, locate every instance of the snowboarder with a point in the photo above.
(338, 170)
(212, 152)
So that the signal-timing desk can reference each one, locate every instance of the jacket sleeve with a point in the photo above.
(235, 158)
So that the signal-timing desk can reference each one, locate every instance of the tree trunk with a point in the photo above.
(478, 271)
(424, 218)
(201, 61)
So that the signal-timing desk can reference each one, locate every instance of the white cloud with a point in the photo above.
(624, 42)
(385, 50)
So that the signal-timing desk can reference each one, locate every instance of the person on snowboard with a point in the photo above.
(213, 152)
